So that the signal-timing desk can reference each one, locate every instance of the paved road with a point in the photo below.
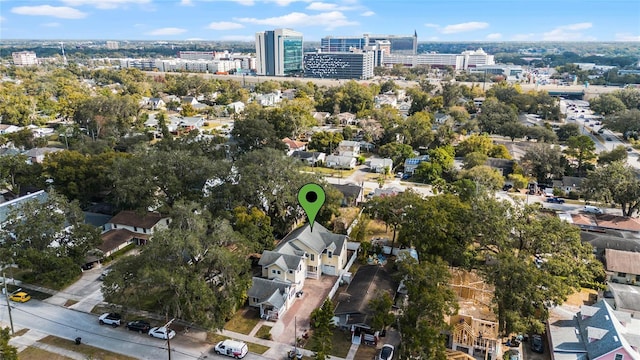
(67, 323)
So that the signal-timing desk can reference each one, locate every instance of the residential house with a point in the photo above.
(293, 145)
(351, 194)
(411, 164)
(189, 100)
(349, 148)
(380, 166)
(269, 99)
(324, 251)
(36, 155)
(352, 309)
(622, 266)
(8, 129)
(505, 166)
(478, 101)
(191, 123)
(321, 117)
(340, 162)
(156, 104)
(384, 99)
(366, 146)
(289, 94)
(236, 107)
(273, 297)
(441, 118)
(7, 205)
(129, 227)
(390, 191)
(284, 267)
(404, 107)
(311, 158)
(569, 183)
(346, 118)
(595, 332)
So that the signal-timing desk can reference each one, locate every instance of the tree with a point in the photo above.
(627, 122)
(255, 225)
(616, 183)
(567, 131)
(582, 149)
(7, 351)
(513, 130)
(617, 154)
(187, 110)
(253, 133)
(544, 162)
(15, 173)
(380, 305)
(475, 143)
(607, 104)
(322, 322)
(430, 300)
(325, 141)
(485, 175)
(391, 209)
(515, 237)
(630, 97)
(474, 159)
(49, 238)
(416, 130)
(204, 274)
(495, 115)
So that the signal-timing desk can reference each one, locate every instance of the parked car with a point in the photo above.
(386, 353)
(162, 333)
(112, 319)
(20, 297)
(629, 149)
(236, 349)
(140, 326)
(507, 187)
(536, 344)
(608, 138)
(88, 266)
(294, 353)
(555, 200)
(104, 274)
(593, 210)
(514, 354)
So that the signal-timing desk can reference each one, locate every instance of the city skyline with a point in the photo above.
(239, 20)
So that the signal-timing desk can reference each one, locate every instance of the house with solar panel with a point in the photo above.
(411, 164)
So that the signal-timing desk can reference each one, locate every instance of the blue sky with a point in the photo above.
(434, 20)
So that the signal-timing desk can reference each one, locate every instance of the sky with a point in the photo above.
(223, 20)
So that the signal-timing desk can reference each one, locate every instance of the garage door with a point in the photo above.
(329, 269)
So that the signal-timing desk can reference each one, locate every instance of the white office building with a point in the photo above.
(463, 61)
(24, 58)
(112, 45)
(279, 52)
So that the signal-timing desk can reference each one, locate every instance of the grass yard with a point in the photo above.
(366, 352)
(34, 294)
(328, 172)
(349, 214)
(70, 302)
(264, 332)
(341, 343)
(243, 321)
(90, 351)
(34, 353)
(377, 229)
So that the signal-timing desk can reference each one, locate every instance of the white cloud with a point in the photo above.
(464, 27)
(63, 12)
(194, 39)
(166, 31)
(330, 20)
(224, 25)
(51, 24)
(567, 32)
(432, 25)
(105, 4)
(245, 2)
(627, 37)
(285, 2)
(323, 6)
(238, 38)
(494, 36)
(368, 13)
(2, 19)
(186, 2)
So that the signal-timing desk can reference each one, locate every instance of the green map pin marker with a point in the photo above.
(311, 197)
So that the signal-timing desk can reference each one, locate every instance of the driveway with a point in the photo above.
(315, 292)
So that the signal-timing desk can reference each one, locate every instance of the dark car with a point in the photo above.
(608, 138)
(536, 344)
(139, 326)
(555, 200)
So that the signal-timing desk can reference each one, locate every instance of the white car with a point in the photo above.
(162, 333)
(112, 319)
(386, 353)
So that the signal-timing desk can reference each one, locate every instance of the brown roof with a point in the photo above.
(132, 218)
(607, 221)
(622, 261)
(114, 238)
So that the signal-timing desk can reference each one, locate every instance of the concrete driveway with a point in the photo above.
(315, 292)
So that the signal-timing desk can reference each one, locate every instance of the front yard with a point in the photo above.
(243, 321)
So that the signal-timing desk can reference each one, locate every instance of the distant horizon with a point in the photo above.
(304, 40)
(239, 20)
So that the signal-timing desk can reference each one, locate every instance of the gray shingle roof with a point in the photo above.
(285, 261)
(602, 325)
(273, 292)
(318, 240)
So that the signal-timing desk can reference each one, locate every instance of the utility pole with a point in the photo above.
(6, 295)
(166, 326)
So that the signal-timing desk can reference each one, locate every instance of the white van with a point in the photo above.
(232, 348)
(593, 210)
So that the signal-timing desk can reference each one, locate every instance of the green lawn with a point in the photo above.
(243, 321)
(328, 172)
(264, 332)
(34, 294)
(89, 351)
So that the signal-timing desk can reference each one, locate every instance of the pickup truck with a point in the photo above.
(112, 319)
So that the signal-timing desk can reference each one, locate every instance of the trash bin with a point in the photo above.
(78, 340)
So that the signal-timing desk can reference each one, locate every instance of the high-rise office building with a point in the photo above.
(396, 44)
(279, 52)
(112, 45)
(339, 65)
